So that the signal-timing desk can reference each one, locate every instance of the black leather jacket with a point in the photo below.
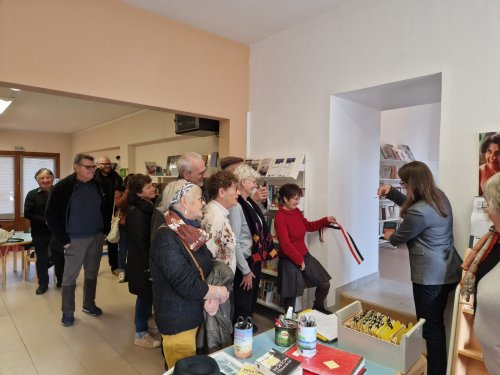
(58, 208)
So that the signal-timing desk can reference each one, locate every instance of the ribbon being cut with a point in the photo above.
(349, 241)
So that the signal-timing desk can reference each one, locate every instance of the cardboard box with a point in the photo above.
(398, 357)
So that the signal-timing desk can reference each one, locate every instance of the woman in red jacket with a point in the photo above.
(297, 268)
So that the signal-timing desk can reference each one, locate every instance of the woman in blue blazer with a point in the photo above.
(427, 230)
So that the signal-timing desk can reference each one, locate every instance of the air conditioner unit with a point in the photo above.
(197, 126)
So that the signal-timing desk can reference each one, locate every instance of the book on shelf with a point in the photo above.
(275, 168)
(276, 363)
(329, 360)
(264, 165)
(406, 152)
(291, 166)
(172, 165)
(150, 167)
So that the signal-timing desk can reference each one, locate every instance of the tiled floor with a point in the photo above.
(32, 340)
(393, 289)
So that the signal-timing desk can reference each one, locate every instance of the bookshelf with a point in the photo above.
(389, 211)
(467, 353)
(294, 172)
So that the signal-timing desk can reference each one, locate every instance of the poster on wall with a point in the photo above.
(489, 157)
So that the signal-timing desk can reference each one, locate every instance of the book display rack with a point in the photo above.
(274, 173)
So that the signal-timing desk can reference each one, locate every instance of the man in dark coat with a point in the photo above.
(111, 182)
(76, 214)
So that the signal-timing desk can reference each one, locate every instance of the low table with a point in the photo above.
(15, 247)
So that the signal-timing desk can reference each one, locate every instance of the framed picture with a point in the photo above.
(489, 157)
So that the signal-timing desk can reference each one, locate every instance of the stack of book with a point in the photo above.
(329, 360)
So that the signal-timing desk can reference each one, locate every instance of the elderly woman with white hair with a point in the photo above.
(254, 243)
(482, 276)
(180, 261)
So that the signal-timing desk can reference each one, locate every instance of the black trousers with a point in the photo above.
(57, 252)
(430, 303)
(112, 255)
(245, 300)
(41, 244)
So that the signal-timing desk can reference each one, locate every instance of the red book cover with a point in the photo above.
(329, 360)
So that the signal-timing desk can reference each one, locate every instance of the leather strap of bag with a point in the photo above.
(202, 275)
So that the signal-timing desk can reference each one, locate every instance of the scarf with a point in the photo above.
(262, 240)
(193, 237)
(478, 254)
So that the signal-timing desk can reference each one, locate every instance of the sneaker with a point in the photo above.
(67, 319)
(41, 289)
(322, 309)
(92, 311)
(121, 277)
(147, 341)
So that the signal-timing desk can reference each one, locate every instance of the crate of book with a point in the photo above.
(379, 338)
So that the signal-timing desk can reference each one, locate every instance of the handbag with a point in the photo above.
(114, 233)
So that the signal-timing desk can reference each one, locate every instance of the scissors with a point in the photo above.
(307, 321)
(242, 323)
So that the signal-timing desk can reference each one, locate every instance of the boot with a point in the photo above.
(89, 291)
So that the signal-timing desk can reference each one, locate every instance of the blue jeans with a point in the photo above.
(143, 310)
(430, 303)
(122, 248)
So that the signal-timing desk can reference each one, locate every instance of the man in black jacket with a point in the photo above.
(76, 214)
(111, 181)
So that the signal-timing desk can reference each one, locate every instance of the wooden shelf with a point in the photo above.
(386, 220)
(471, 353)
(271, 305)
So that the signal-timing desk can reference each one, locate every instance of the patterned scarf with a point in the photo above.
(478, 254)
(193, 237)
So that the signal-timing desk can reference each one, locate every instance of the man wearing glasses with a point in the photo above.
(77, 214)
(111, 182)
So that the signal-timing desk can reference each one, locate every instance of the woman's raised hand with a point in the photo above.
(384, 190)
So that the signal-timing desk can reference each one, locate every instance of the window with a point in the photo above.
(18, 170)
(29, 166)
(7, 188)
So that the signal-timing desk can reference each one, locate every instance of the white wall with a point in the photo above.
(353, 178)
(417, 127)
(365, 43)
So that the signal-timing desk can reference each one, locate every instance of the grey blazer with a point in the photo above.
(429, 237)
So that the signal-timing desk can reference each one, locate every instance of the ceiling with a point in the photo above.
(244, 21)
(35, 111)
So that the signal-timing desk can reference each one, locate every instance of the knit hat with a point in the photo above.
(197, 365)
(229, 160)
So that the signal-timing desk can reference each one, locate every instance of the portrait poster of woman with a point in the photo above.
(489, 157)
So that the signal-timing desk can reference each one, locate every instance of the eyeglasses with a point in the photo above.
(87, 167)
(401, 182)
(105, 164)
(202, 199)
(484, 206)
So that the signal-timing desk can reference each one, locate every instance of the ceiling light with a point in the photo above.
(13, 89)
(4, 103)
